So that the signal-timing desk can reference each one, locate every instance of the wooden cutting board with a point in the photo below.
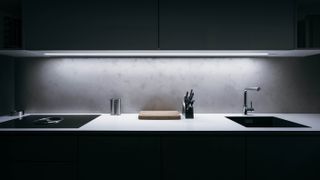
(159, 115)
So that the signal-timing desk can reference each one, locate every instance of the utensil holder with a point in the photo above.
(115, 105)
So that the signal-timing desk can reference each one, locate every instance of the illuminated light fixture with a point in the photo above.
(156, 54)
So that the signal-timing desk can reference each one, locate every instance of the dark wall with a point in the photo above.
(6, 84)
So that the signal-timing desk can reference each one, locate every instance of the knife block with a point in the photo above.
(187, 111)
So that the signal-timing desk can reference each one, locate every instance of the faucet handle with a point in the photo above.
(251, 107)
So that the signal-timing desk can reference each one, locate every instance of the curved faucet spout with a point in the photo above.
(252, 89)
(247, 109)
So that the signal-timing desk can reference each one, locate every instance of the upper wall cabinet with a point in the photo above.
(90, 24)
(154, 24)
(308, 16)
(10, 25)
(227, 24)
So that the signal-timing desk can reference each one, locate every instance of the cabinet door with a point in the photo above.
(39, 157)
(90, 24)
(5, 160)
(119, 158)
(44, 148)
(41, 171)
(203, 157)
(226, 24)
(279, 158)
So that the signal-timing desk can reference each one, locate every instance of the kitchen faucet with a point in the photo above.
(247, 109)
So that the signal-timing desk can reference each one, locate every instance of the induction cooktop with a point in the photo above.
(49, 121)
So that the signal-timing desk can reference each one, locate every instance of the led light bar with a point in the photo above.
(156, 54)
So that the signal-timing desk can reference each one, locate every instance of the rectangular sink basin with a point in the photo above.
(264, 121)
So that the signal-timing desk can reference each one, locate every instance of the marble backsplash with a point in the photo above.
(288, 85)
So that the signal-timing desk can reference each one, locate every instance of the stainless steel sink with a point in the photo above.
(264, 121)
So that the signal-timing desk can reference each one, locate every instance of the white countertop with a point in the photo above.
(201, 122)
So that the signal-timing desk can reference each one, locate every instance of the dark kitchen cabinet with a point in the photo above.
(308, 32)
(159, 157)
(5, 160)
(308, 17)
(153, 24)
(10, 25)
(44, 148)
(43, 157)
(119, 157)
(227, 25)
(203, 157)
(90, 24)
(42, 170)
(283, 157)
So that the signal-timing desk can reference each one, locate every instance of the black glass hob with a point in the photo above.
(49, 121)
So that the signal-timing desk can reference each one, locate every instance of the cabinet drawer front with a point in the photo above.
(41, 171)
(280, 157)
(121, 158)
(5, 160)
(44, 148)
(203, 157)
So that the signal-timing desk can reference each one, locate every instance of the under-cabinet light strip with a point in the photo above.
(157, 54)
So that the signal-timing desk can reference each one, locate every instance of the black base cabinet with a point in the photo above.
(43, 170)
(281, 157)
(203, 157)
(5, 159)
(38, 157)
(159, 157)
(119, 158)
(168, 158)
(50, 157)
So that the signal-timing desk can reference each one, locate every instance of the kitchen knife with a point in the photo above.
(186, 97)
(191, 95)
